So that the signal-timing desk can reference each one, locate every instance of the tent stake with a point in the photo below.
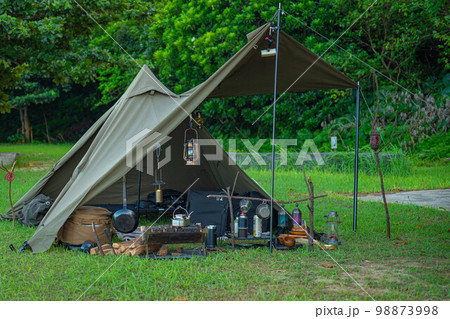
(273, 128)
(355, 190)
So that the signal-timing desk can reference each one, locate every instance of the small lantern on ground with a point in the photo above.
(375, 139)
(282, 217)
(297, 215)
(332, 236)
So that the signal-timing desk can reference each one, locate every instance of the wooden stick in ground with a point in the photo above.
(230, 204)
(388, 218)
(311, 212)
(311, 216)
(97, 239)
(10, 200)
(10, 173)
(306, 182)
(377, 151)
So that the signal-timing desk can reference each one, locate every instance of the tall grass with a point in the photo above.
(392, 162)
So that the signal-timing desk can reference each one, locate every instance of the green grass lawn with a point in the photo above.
(418, 270)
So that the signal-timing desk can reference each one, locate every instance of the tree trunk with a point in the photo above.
(388, 219)
(22, 125)
(26, 122)
(46, 129)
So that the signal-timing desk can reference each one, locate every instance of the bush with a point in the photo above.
(15, 138)
(435, 148)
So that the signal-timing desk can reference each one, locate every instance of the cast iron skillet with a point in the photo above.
(125, 220)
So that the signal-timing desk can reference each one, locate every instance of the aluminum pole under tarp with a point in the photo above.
(355, 190)
(273, 129)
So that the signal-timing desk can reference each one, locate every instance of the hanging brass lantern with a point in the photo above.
(191, 153)
(375, 139)
(158, 191)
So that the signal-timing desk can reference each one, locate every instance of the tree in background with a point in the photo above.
(184, 42)
(46, 49)
(405, 40)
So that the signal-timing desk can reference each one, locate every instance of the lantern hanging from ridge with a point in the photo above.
(191, 152)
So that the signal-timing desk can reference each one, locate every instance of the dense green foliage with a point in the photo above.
(65, 61)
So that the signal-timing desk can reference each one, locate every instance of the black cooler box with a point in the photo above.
(208, 211)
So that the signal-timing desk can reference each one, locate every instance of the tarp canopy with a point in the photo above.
(91, 171)
(299, 70)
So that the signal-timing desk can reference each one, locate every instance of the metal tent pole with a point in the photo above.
(139, 187)
(273, 128)
(355, 190)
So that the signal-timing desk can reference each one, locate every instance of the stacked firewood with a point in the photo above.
(128, 248)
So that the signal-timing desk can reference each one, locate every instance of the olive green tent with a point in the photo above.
(91, 172)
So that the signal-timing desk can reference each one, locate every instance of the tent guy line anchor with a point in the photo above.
(134, 60)
(320, 56)
(120, 257)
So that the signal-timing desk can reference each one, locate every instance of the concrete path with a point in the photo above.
(437, 198)
(8, 158)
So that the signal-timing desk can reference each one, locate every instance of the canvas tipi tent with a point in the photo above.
(91, 172)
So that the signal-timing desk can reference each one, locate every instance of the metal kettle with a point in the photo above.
(181, 220)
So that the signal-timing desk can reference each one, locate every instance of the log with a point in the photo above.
(129, 248)
(163, 251)
(105, 248)
(138, 250)
(305, 241)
